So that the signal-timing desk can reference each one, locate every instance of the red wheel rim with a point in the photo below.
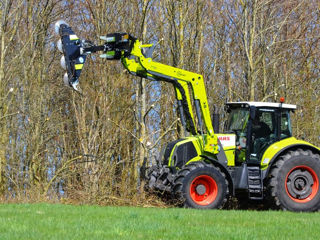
(203, 190)
(302, 184)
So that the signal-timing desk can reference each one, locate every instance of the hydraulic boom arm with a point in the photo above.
(124, 47)
(144, 66)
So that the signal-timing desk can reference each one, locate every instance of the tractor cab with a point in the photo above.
(257, 125)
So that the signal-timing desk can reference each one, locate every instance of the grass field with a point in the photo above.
(55, 221)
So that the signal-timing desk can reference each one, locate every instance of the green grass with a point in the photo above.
(55, 221)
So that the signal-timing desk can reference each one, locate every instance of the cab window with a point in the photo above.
(286, 130)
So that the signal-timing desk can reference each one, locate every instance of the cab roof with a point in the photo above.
(262, 104)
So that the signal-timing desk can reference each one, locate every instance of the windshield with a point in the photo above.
(237, 120)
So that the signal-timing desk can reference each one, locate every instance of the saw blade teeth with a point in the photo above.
(58, 24)
(59, 46)
(66, 79)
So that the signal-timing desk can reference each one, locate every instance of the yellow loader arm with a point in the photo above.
(138, 64)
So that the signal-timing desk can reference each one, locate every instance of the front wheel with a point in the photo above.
(200, 185)
(294, 181)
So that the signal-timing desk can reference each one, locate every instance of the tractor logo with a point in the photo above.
(227, 140)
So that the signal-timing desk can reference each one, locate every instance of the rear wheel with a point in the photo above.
(200, 185)
(294, 181)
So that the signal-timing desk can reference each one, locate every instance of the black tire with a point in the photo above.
(201, 185)
(159, 182)
(294, 182)
(152, 176)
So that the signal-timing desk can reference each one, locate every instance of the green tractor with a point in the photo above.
(256, 155)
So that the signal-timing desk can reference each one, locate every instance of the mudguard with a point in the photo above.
(276, 149)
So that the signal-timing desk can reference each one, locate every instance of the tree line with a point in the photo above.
(55, 143)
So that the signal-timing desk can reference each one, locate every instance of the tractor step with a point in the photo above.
(255, 183)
